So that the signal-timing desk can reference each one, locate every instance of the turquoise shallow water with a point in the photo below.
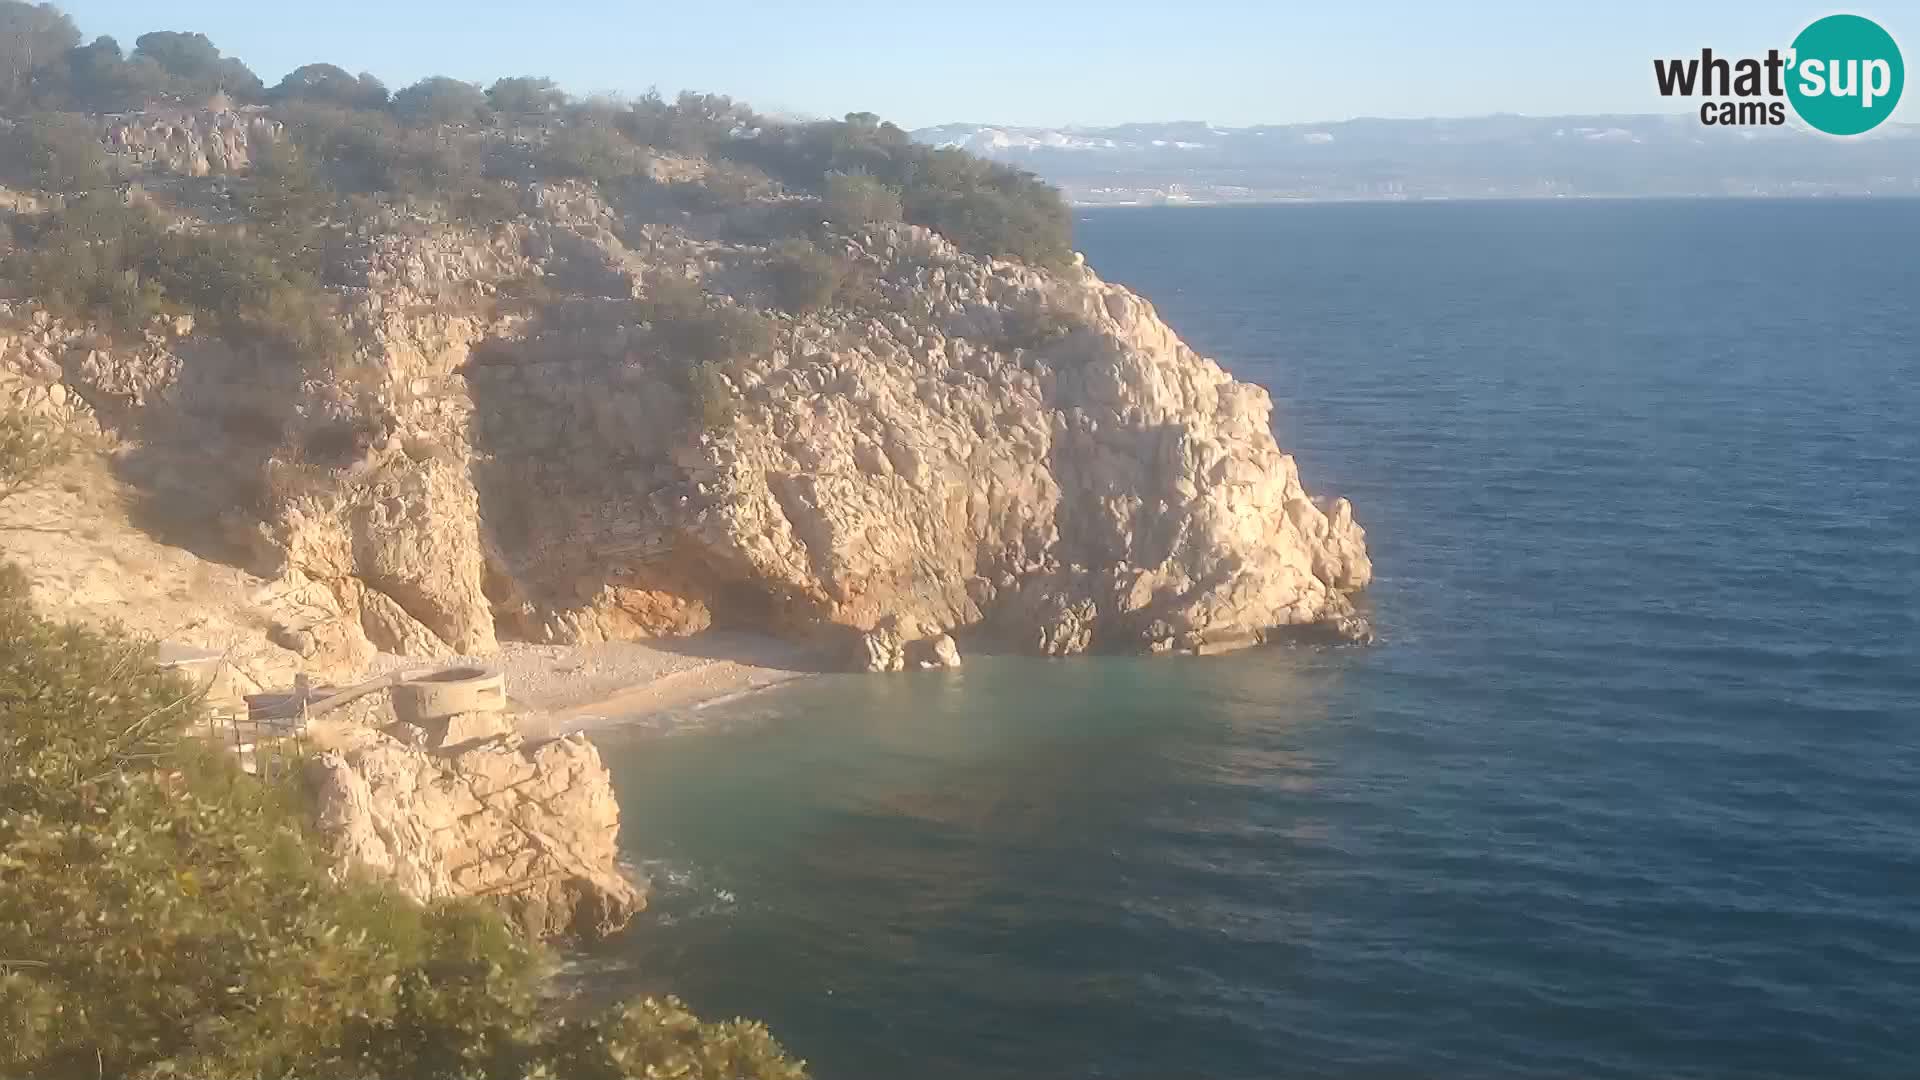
(1630, 788)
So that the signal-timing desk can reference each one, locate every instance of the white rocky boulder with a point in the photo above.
(532, 829)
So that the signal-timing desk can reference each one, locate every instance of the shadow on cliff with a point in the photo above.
(195, 474)
(575, 421)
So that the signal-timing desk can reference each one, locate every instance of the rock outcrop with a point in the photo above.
(409, 537)
(532, 829)
(879, 651)
(193, 142)
(935, 653)
(517, 450)
(1098, 487)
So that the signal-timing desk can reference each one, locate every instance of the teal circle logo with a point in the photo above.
(1845, 75)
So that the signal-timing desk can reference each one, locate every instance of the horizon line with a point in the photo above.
(1332, 123)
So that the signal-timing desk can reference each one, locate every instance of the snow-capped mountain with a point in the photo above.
(1487, 156)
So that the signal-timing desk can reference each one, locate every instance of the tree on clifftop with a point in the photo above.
(439, 100)
(525, 95)
(31, 36)
(196, 65)
(326, 84)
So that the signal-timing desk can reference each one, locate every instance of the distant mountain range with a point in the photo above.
(1477, 157)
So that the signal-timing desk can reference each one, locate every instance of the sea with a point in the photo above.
(1629, 787)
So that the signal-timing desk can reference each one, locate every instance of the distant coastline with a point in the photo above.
(1501, 157)
(1214, 204)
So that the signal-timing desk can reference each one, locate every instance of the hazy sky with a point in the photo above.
(1028, 62)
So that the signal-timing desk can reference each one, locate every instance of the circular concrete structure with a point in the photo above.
(440, 694)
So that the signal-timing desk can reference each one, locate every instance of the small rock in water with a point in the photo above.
(936, 652)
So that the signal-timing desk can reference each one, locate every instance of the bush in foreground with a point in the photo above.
(164, 915)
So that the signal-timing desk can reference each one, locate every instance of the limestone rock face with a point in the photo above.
(976, 444)
(193, 142)
(390, 629)
(879, 651)
(413, 538)
(532, 830)
(1100, 487)
(935, 652)
(626, 614)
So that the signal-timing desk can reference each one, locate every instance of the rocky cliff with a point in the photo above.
(192, 142)
(630, 408)
(530, 828)
(522, 447)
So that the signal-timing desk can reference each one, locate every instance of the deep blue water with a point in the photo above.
(1631, 788)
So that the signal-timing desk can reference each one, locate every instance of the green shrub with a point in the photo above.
(862, 290)
(364, 152)
(984, 208)
(59, 152)
(683, 1046)
(1036, 327)
(29, 450)
(289, 203)
(449, 167)
(991, 210)
(285, 186)
(714, 402)
(438, 100)
(854, 201)
(195, 68)
(325, 84)
(693, 124)
(804, 277)
(701, 329)
(98, 77)
(30, 36)
(588, 148)
(724, 186)
(361, 149)
(87, 261)
(164, 915)
(524, 96)
(100, 258)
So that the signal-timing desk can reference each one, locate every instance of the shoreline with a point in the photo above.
(555, 689)
(709, 683)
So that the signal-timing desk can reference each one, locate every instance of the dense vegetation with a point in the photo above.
(862, 164)
(163, 914)
(420, 141)
(120, 265)
(44, 65)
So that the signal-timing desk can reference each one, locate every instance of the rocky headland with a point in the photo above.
(988, 447)
(629, 404)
